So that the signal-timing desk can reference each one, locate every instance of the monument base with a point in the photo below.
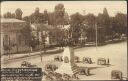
(68, 66)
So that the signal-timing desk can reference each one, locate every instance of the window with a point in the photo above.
(6, 40)
(19, 39)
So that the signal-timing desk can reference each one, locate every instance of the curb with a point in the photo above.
(36, 54)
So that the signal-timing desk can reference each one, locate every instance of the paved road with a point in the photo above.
(117, 53)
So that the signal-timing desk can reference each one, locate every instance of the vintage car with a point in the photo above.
(75, 76)
(66, 77)
(58, 58)
(58, 76)
(50, 67)
(49, 78)
(115, 74)
(76, 59)
(55, 76)
(27, 64)
(51, 73)
(87, 60)
(101, 61)
(84, 71)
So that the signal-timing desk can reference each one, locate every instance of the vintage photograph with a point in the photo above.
(63, 40)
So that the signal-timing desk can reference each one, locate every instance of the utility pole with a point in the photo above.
(96, 35)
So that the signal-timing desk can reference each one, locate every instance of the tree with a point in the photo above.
(59, 17)
(118, 25)
(13, 15)
(106, 24)
(37, 17)
(59, 14)
(26, 33)
(7, 15)
(101, 36)
(76, 26)
(103, 27)
(90, 21)
(45, 16)
(26, 18)
(121, 23)
(33, 43)
(51, 19)
(18, 14)
(66, 19)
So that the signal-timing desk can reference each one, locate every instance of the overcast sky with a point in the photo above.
(71, 7)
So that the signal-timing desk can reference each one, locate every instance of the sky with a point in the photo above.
(83, 7)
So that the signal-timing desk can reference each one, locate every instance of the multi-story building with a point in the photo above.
(12, 40)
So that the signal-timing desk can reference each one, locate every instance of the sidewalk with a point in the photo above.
(18, 56)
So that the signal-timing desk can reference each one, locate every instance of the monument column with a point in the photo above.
(68, 66)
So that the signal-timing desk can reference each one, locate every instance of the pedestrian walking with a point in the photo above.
(41, 56)
(108, 61)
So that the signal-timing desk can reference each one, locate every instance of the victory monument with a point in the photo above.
(68, 65)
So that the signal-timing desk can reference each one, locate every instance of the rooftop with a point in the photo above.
(10, 20)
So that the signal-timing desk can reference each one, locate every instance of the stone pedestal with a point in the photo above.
(68, 66)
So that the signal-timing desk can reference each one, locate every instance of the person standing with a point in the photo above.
(108, 61)
(41, 54)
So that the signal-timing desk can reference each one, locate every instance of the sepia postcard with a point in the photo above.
(63, 40)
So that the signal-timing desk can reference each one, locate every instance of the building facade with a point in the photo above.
(12, 39)
(42, 33)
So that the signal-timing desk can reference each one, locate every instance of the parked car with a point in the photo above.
(58, 58)
(49, 78)
(116, 74)
(75, 76)
(27, 64)
(84, 71)
(58, 76)
(76, 59)
(87, 60)
(50, 67)
(101, 61)
(66, 77)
